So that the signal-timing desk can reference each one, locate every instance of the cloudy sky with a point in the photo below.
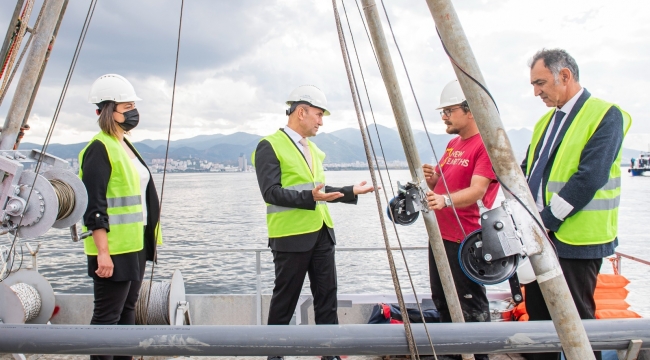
(240, 59)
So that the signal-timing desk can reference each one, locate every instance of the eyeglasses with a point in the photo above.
(448, 112)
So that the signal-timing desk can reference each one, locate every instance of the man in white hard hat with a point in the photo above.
(291, 178)
(469, 177)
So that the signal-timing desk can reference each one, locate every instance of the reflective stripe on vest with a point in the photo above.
(124, 201)
(597, 222)
(295, 175)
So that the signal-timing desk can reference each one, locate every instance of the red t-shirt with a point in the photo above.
(462, 160)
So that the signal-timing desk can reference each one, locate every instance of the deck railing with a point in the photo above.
(616, 260)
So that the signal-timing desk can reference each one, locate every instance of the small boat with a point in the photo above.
(641, 165)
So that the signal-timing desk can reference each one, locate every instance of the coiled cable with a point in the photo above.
(158, 299)
(66, 196)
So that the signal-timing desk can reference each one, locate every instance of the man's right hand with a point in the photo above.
(321, 196)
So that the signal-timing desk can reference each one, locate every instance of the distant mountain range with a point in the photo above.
(341, 146)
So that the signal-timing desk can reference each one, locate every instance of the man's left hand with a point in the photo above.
(436, 202)
(362, 188)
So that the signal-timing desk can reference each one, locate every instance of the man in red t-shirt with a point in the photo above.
(469, 177)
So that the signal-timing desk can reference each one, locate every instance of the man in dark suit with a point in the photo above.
(573, 169)
(291, 178)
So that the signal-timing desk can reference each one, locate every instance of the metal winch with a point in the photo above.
(34, 203)
(26, 297)
(30, 205)
(163, 303)
(404, 209)
(491, 255)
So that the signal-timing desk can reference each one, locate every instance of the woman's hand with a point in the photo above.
(104, 265)
(104, 261)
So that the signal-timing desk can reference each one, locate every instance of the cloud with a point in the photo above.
(240, 59)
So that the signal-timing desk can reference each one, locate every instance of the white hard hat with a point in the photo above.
(452, 94)
(309, 94)
(112, 87)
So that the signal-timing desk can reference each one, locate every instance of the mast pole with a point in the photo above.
(29, 76)
(546, 265)
(412, 157)
(364, 136)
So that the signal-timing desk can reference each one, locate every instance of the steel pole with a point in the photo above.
(364, 136)
(29, 76)
(310, 340)
(546, 266)
(412, 157)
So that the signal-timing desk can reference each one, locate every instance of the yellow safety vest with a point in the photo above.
(124, 201)
(597, 222)
(286, 221)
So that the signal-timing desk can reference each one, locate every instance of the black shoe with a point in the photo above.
(330, 357)
(275, 357)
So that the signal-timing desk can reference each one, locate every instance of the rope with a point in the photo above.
(11, 56)
(22, 55)
(385, 194)
(30, 298)
(57, 111)
(169, 133)
(362, 120)
(65, 195)
(155, 310)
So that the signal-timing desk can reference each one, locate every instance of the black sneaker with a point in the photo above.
(330, 357)
(275, 357)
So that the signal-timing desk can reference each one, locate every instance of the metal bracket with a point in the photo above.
(33, 253)
(302, 310)
(632, 352)
(183, 314)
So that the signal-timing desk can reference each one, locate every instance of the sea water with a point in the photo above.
(226, 211)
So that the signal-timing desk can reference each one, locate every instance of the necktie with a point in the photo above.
(305, 151)
(535, 179)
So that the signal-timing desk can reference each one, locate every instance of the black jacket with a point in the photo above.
(596, 160)
(96, 173)
(267, 168)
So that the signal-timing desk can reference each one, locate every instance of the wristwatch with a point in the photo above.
(447, 200)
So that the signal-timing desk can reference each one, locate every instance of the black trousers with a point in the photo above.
(290, 270)
(581, 276)
(114, 305)
(472, 296)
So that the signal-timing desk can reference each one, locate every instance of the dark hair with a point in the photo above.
(106, 121)
(556, 60)
(465, 106)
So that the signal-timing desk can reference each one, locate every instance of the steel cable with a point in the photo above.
(154, 311)
(344, 50)
(65, 195)
(381, 178)
(169, 133)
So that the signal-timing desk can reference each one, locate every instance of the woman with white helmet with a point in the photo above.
(123, 209)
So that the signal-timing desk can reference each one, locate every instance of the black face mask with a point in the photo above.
(131, 119)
